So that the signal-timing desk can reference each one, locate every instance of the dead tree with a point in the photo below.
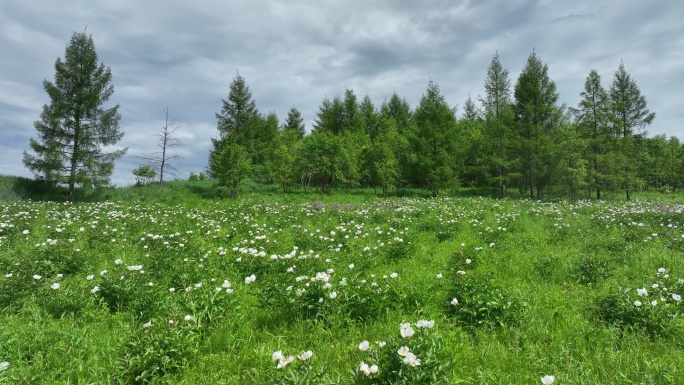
(167, 141)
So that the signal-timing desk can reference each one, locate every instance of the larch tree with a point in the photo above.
(537, 116)
(474, 163)
(630, 117)
(74, 127)
(593, 116)
(498, 116)
(239, 119)
(434, 140)
(295, 122)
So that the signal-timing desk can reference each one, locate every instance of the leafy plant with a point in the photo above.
(654, 309)
(475, 301)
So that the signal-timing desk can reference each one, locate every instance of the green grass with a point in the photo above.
(529, 306)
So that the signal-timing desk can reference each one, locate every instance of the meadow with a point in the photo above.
(341, 289)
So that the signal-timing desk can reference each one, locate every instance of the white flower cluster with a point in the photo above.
(283, 360)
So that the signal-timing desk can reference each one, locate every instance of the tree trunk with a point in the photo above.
(70, 198)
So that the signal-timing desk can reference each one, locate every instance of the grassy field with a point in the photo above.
(168, 284)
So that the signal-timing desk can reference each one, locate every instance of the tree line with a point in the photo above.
(513, 136)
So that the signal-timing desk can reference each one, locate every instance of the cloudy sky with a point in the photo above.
(184, 54)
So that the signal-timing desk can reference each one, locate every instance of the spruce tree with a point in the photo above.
(74, 126)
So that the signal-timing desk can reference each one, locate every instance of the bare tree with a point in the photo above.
(167, 141)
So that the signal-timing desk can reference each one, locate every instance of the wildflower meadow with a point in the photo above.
(346, 290)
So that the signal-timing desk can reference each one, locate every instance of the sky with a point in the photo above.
(183, 55)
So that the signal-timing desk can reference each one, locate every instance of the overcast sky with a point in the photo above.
(184, 54)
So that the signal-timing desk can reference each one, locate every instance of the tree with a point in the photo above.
(330, 116)
(630, 117)
(475, 162)
(398, 112)
(369, 117)
(537, 116)
(593, 116)
(74, 126)
(498, 116)
(167, 141)
(283, 166)
(434, 140)
(353, 120)
(143, 175)
(232, 165)
(264, 142)
(324, 160)
(295, 122)
(239, 118)
(571, 164)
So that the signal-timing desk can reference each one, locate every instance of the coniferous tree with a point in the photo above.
(353, 119)
(498, 119)
(536, 118)
(74, 126)
(630, 117)
(399, 112)
(474, 162)
(264, 142)
(239, 118)
(593, 116)
(434, 140)
(571, 164)
(330, 116)
(369, 117)
(295, 122)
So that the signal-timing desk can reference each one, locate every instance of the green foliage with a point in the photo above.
(73, 127)
(239, 123)
(157, 350)
(144, 175)
(537, 117)
(654, 309)
(433, 139)
(630, 115)
(481, 303)
(408, 357)
(590, 271)
(325, 161)
(231, 166)
(190, 245)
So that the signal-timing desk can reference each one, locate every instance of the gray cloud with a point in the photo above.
(183, 55)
